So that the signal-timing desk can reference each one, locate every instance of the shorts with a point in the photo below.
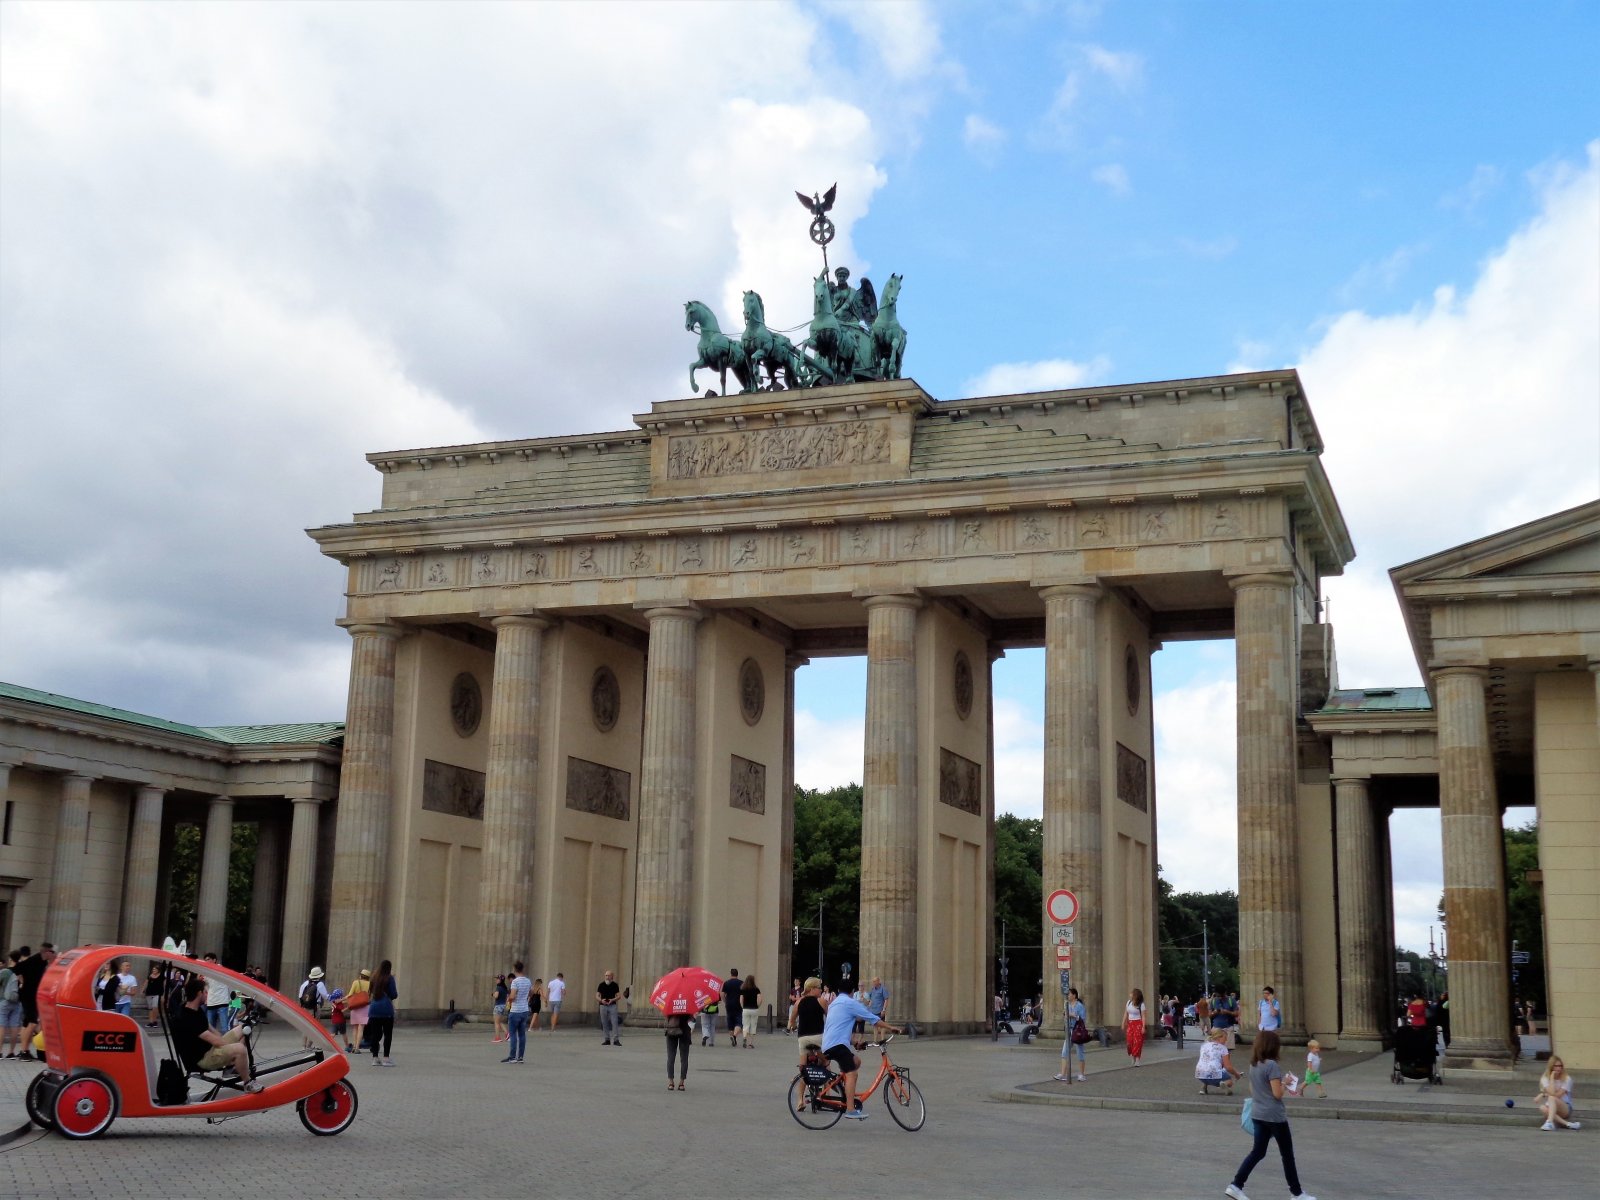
(30, 1012)
(555, 1006)
(842, 1057)
(1314, 1077)
(10, 1014)
(812, 1041)
(533, 1004)
(499, 1010)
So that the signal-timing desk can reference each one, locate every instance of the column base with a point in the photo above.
(1491, 1057)
(1361, 1041)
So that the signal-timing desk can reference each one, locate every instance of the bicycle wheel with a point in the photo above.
(904, 1100)
(814, 1107)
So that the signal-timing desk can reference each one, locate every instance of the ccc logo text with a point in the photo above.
(110, 1041)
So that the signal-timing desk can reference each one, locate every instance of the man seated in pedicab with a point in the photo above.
(204, 1049)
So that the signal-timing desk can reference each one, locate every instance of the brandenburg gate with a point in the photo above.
(571, 720)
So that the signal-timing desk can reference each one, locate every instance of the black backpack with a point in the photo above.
(309, 1000)
(172, 1085)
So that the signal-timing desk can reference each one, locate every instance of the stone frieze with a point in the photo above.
(782, 448)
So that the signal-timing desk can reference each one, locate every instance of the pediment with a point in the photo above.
(1556, 548)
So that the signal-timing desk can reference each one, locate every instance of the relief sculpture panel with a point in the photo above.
(453, 790)
(786, 448)
(598, 789)
(747, 789)
(1133, 779)
(960, 782)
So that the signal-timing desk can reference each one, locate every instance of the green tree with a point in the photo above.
(1019, 897)
(183, 890)
(1525, 910)
(1190, 922)
(827, 872)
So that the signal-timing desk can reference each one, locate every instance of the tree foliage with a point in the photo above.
(1189, 922)
(183, 890)
(1525, 910)
(1019, 900)
(827, 872)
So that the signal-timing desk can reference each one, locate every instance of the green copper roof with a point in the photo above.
(232, 735)
(1406, 699)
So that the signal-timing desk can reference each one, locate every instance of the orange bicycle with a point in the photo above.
(817, 1099)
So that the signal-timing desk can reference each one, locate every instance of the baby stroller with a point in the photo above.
(1416, 1054)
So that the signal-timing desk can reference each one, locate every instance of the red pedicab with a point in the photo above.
(101, 1064)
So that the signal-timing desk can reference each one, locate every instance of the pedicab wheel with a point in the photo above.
(904, 1100)
(329, 1111)
(38, 1106)
(84, 1106)
(814, 1107)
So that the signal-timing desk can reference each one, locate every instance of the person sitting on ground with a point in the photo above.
(843, 1013)
(1555, 1096)
(204, 1049)
(1215, 1068)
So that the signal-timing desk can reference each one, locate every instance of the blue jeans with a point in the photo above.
(217, 1017)
(1267, 1131)
(518, 1045)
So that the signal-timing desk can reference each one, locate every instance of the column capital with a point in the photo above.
(682, 610)
(83, 775)
(1084, 588)
(793, 661)
(374, 629)
(304, 799)
(160, 788)
(533, 619)
(219, 799)
(872, 600)
(1260, 577)
(1448, 670)
(1351, 780)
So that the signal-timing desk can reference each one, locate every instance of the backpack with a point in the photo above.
(1080, 1032)
(8, 989)
(309, 1000)
(172, 1084)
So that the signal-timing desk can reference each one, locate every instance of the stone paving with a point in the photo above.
(583, 1120)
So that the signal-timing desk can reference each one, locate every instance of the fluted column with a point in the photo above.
(142, 878)
(266, 892)
(366, 787)
(1474, 870)
(1362, 947)
(1269, 848)
(664, 879)
(506, 890)
(889, 802)
(299, 891)
(990, 981)
(1073, 839)
(66, 879)
(791, 663)
(211, 904)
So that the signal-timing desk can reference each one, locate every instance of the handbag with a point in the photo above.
(358, 1000)
(1246, 1121)
(1080, 1032)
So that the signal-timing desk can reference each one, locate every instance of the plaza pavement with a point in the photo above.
(583, 1120)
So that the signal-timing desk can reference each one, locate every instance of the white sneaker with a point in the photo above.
(1547, 1126)
(1062, 1078)
(1574, 1124)
(1083, 1079)
(1235, 1192)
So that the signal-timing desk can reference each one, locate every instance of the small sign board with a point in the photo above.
(1062, 906)
(1402, 968)
(1062, 935)
(1521, 957)
(1066, 982)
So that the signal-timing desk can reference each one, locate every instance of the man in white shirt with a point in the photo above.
(843, 1013)
(558, 991)
(218, 993)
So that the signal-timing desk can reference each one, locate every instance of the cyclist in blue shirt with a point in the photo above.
(843, 1013)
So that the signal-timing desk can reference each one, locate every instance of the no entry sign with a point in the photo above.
(1062, 906)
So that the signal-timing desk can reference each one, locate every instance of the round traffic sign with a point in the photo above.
(1062, 906)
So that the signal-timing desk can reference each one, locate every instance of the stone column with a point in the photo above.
(791, 663)
(990, 981)
(66, 878)
(1269, 847)
(142, 877)
(266, 892)
(299, 891)
(889, 803)
(1073, 839)
(211, 903)
(664, 876)
(366, 795)
(1363, 952)
(506, 888)
(1474, 871)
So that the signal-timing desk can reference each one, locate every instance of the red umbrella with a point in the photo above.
(686, 991)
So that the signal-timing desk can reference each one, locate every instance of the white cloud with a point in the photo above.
(1123, 68)
(829, 751)
(1197, 786)
(904, 33)
(1006, 379)
(1114, 178)
(1466, 415)
(1251, 356)
(983, 139)
(1486, 180)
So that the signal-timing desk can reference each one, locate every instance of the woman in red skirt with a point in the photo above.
(1133, 1025)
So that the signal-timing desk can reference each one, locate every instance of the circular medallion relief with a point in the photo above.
(1130, 667)
(752, 691)
(466, 704)
(605, 699)
(963, 685)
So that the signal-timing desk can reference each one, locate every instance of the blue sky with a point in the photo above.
(242, 245)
